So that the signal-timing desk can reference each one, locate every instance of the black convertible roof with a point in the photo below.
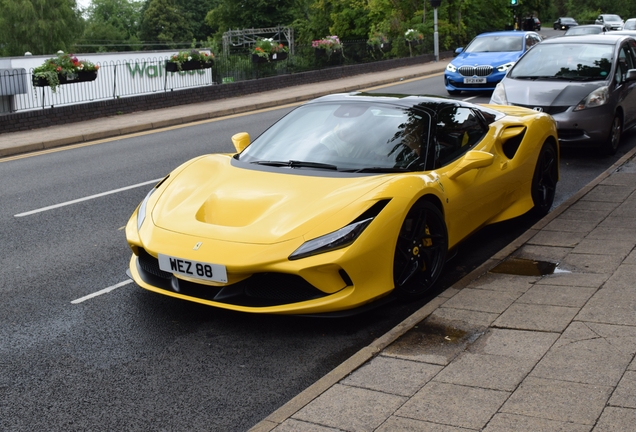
(434, 103)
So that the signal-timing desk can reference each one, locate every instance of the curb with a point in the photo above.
(369, 352)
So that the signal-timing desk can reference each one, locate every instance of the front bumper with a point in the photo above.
(586, 128)
(266, 293)
(455, 82)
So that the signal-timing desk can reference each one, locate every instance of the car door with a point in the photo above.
(477, 195)
(626, 89)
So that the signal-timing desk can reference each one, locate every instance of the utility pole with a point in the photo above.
(435, 4)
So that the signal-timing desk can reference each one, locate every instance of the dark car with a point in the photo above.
(587, 83)
(564, 23)
(531, 24)
(585, 30)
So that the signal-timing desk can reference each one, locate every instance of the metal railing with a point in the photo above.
(20, 92)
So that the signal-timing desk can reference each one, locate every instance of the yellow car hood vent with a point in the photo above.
(213, 199)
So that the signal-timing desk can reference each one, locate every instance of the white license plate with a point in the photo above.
(474, 80)
(193, 269)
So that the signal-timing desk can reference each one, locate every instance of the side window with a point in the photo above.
(632, 51)
(458, 130)
(625, 62)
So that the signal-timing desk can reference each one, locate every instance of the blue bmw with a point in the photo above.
(486, 59)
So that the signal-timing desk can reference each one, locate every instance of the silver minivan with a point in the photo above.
(587, 83)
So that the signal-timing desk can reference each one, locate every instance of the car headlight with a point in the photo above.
(141, 213)
(505, 67)
(451, 68)
(598, 97)
(498, 96)
(335, 240)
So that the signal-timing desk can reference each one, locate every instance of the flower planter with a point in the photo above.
(322, 53)
(384, 47)
(272, 57)
(278, 56)
(413, 42)
(188, 65)
(258, 59)
(82, 76)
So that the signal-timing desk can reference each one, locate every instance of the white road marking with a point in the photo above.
(43, 209)
(469, 98)
(104, 291)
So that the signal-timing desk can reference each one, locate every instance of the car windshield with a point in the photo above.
(567, 20)
(612, 18)
(495, 44)
(572, 61)
(630, 24)
(345, 136)
(583, 30)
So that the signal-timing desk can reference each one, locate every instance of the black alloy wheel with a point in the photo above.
(610, 146)
(420, 252)
(544, 180)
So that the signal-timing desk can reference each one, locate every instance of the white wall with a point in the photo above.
(120, 75)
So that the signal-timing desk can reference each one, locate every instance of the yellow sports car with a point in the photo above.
(346, 200)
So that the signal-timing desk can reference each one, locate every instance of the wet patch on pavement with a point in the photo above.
(525, 267)
(434, 340)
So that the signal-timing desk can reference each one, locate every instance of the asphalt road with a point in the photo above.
(132, 360)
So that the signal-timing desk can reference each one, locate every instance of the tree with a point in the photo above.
(195, 12)
(38, 26)
(240, 14)
(164, 25)
(350, 19)
(112, 25)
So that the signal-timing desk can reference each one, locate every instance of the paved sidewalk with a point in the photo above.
(502, 352)
(496, 351)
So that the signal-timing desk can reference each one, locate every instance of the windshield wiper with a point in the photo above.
(587, 78)
(534, 77)
(297, 164)
(378, 170)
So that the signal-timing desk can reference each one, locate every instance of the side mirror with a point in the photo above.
(459, 50)
(630, 75)
(240, 141)
(471, 160)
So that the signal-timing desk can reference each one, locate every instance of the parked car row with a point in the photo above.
(587, 82)
(378, 189)
(607, 22)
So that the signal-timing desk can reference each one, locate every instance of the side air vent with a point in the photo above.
(513, 137)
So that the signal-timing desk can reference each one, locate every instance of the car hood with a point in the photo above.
(485, 58)
(548, 93)
(212, 198)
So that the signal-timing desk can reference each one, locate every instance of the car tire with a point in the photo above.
(454, 92)
(420, 251)
(544, 180)
(610, 146)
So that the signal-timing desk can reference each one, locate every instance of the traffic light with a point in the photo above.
(514, 2)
